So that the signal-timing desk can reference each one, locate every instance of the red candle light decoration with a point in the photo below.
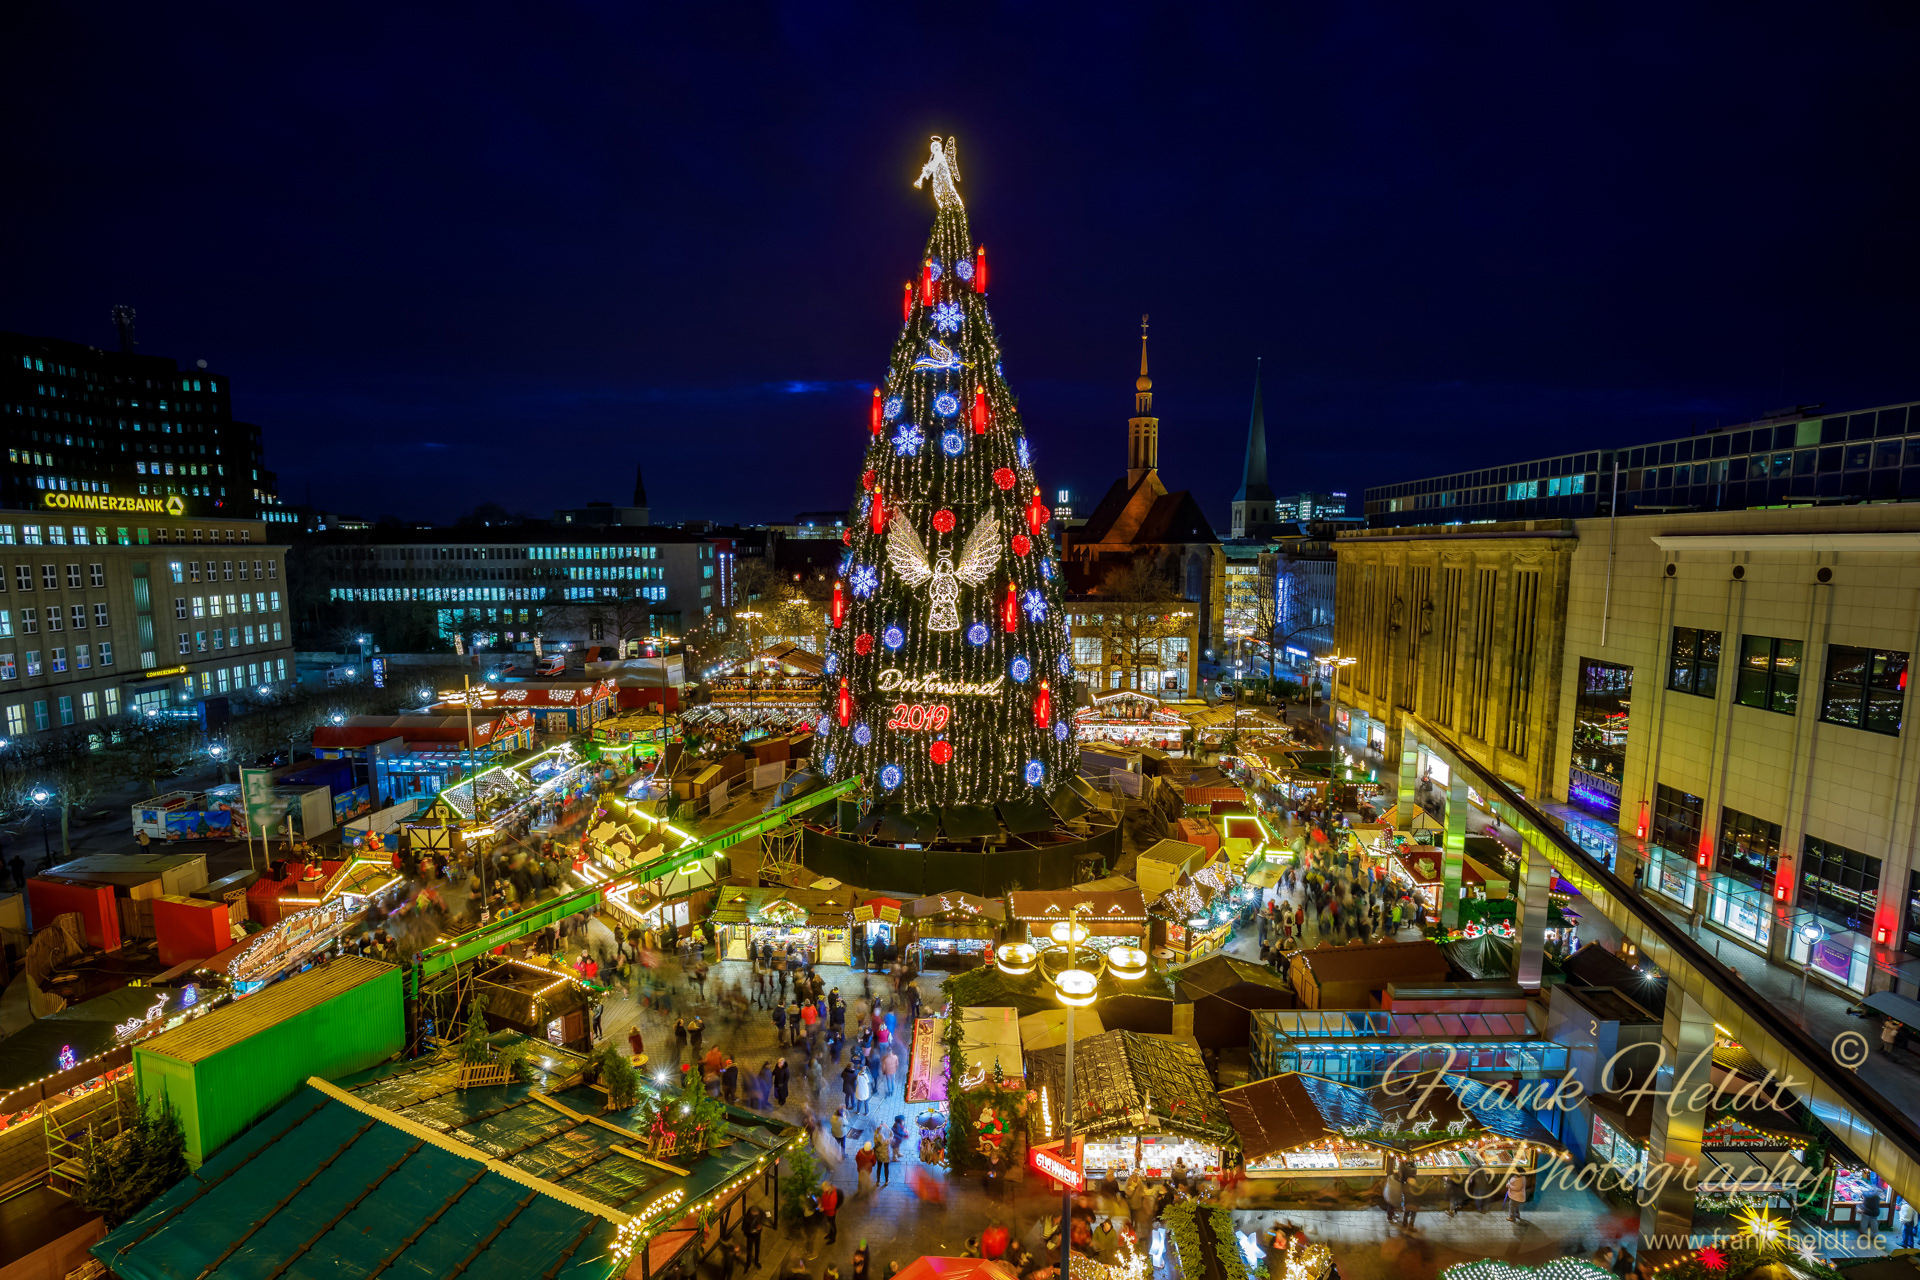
(926, 282)
(906, 304)
(873, 414)
(880, 510)
(1010, 611)
(838, 610)
(979, 411)
(980, 269)
(1042, 706)
(843, 703)
(1037, 513)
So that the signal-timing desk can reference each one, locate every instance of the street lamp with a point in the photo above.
(219, 754)
(40, 797)
(1074, 971)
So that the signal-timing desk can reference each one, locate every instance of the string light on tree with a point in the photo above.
(956, 536)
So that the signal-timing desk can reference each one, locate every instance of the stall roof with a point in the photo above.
(30, 1057)
(1370, 962)
(1125, 905)
(540, 1179)
(204, 1037)
(1217, 973)
(1286, 1111)
(988, 1036)
(953, 901)
(1124, 1082)
(1048, 1028)
(739, 904)
(120, 868)
(363, 731)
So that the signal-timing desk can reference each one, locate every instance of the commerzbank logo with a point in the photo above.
(173, 506)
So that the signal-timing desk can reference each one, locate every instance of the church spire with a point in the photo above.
(639, 487)
(1253, 504)
(1143, 429)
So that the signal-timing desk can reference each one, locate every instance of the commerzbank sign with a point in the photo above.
(174, 506)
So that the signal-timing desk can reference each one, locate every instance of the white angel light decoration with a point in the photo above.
(909, 558)
(943, 166)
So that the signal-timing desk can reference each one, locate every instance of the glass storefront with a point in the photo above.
(1844, 958)
(1671, 874)
(1742, 910)
(1601, 712)
(1749, 848)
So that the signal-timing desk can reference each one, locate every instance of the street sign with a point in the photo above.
(1068, 1171)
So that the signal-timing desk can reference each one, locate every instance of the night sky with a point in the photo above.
(500, 254)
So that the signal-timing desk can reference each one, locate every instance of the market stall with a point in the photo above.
(1292, 1126)
(1131, 718)
(1113, 918)
(955, 930)
(813, 925)
(880, 933)
(1196, 915)
(1142, 1102)
(283, 948)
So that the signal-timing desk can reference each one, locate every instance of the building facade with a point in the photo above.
(1713, 703)
(506, 588)
(1151, 647)
(100, 618)
(82, 421)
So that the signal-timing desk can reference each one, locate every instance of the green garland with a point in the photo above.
(1228, 1250)
(1740, 1259)
(958, 1123)
(1186, 1239)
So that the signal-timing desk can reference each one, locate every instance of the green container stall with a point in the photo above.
(226, 1070)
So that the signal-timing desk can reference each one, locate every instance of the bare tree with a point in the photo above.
(1139, 612)
(613, 619)
(1282, 611)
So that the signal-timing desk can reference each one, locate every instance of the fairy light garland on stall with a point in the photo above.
(946, 580)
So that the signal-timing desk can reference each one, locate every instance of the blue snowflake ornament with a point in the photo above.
(833, 663)
(889, 777)
(1046, 570)
(1020, 451)
(862, 734)
(1020, 668)
(1065, 664)
(1060, 731)
(964, 268)
(933, 268)
(865, 579)
(907, 443)
(826, 723)
(946, 404)
(1036, 773)
(947, 317)
(894, 637)
(827, 764)
(954, 443)
(891, 409)
(977, 633)
(1035, 604)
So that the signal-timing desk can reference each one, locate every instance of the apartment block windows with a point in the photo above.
(16, 720)
(1769, 674)
(73, 576)
(100, 615)
(180, 607)
(106, 660)
(1865, 688)
(1749, 848)
(23, 576)
(1694, 664)
(97, 575)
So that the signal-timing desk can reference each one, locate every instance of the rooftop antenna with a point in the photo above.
(123, 321)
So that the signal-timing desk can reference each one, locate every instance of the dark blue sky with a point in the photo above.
(500, 253)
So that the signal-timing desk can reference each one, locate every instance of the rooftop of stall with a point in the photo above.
(1160, 867)
(1223, 991)
(1497, 995)
(825, 908)
(1285, 1111)
(1124, 1082)
(522, 1179)
(97, 1035)
(1120, 913)
(1358, 1045)
(1354, 977)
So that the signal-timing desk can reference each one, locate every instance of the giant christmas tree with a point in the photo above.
(948, 676)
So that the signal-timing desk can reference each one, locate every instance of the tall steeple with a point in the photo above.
(640, 496)
(1143, 429)
(1253, 504)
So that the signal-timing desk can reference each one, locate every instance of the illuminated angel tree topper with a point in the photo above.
(948, 638)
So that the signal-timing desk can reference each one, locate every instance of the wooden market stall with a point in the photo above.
(809, 924)
(1113, 918)
(1143, 1102)
(955, 930)
(1355, 976)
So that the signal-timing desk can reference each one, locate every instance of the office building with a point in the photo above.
(1793, 457)
(1712, 702)
(109, 613)
(135, 430)
(502, 589)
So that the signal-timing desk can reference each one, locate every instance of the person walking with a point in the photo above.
(1456, 1194)
(694, 1030)
(679, 1041)
(750, 1228)
(636, 1046)
(839, 1128)
(848, 1074)
(863, 1164)
(882, 1157)
(782, 1077)
(1889, 1036)
(889, 1068)
(780, 1025)
(829, 1209)
(1516, 1196)
(730, 1082)
(863, 1091)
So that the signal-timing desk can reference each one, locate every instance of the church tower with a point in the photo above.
(1143, 429)
(1253, 505)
